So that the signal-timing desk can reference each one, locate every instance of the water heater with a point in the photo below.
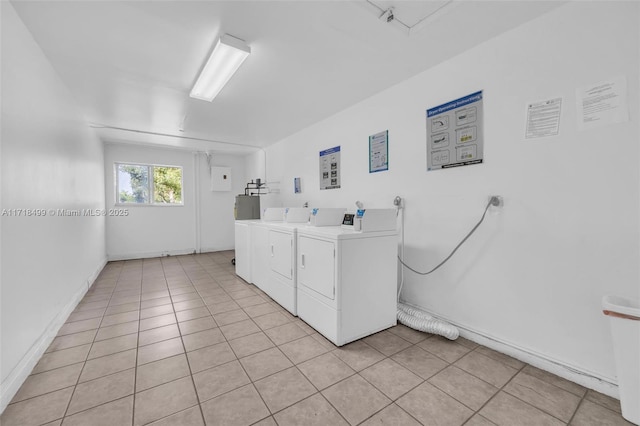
(247, 207)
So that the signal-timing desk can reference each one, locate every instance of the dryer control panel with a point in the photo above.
(372, 220)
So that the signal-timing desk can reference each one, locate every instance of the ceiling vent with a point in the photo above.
(411, 16)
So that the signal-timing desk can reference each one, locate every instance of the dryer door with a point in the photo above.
(281, 253)
(316, 265)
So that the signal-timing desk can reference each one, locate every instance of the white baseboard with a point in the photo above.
(147, 255)
(94, 276)
(214, 249)
(21, 371)
(588, 379)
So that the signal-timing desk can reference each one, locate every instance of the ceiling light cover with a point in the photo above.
(226, 58)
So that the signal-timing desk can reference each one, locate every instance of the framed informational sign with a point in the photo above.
(454, 133)
(379, 152)
(330, 168)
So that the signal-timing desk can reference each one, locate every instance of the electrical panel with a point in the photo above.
(221, 178)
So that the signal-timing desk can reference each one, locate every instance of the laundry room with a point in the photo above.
(385, 212)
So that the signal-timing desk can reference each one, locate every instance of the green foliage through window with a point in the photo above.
(135, 186)
(167, 185)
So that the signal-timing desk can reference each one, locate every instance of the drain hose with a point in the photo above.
(422, 321)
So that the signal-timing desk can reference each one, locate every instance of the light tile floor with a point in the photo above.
(183, 341)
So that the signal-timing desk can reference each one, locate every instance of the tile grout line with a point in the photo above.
(229, 288)
(252, 382)
(237, 359)
(135, 365)
(318, 391)
(477, 412)
(312, 384)
(538, 408)
(272, 414)
(393, 401)
(578, 407)
(89, 351)
(521, 370)
(193, 382)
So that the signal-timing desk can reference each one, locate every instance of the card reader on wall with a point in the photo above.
(372, 220)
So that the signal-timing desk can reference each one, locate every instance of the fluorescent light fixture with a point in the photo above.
(226, 58)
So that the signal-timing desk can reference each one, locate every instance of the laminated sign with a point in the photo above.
(330, 168)
(454, 133)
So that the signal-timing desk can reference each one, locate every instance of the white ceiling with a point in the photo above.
(131, 64)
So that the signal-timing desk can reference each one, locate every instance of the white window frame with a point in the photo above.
(151, 202)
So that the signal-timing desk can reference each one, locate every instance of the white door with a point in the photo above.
(316, 265)
(281, 253)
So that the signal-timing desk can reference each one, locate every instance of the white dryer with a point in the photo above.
(346, 281)
(259, 231)
(281, 257)
(243, 249)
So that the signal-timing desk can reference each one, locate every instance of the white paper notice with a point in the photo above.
(603, 103)
(543, 118)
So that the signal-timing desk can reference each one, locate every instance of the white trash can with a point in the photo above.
(624, 318)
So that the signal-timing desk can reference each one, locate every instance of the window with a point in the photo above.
(148, 184)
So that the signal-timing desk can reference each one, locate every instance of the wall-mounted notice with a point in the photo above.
(454, 133)
(379, 152)
(297, 187)
(603, 103)
(543, 118)
(330, 168)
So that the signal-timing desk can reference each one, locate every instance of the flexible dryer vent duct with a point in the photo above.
(419, 320)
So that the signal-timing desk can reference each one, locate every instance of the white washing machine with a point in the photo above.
(346, 281)
(259, 231)
(259, 260)
(281, 275)
(281, 258)
(243, 249)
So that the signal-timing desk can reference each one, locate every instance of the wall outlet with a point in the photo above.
(496, 201)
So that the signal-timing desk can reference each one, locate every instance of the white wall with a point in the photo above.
(268, 166)
(203, 223)
(533, 275)
(50, 160)
(216, 208)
